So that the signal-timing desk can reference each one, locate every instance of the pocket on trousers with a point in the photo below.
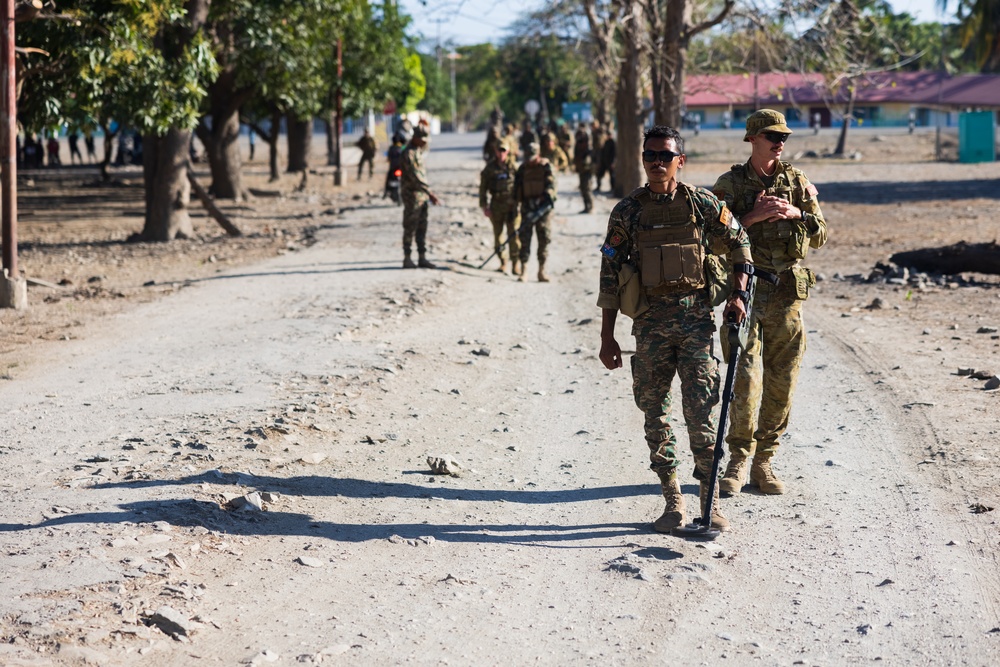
(805, 279)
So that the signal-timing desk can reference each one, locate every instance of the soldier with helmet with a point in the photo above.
(657, 241)
(535, 191)
(417, 196)
(497, 182)
(780, 210)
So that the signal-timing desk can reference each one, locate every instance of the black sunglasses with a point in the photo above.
(775, 137)
(666, 157)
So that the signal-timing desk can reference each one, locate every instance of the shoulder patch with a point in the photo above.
(726, 217)
(617, 236)
(811, 190)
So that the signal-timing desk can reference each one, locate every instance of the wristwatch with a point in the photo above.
(742, 294)
(802, 214)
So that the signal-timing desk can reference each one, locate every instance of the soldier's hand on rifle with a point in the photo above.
(736, 309)
(486, 211)
(611, 353)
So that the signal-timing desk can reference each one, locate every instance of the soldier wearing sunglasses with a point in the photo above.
(657, 241)
(779, 208)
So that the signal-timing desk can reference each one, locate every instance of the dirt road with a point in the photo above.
(325, 378)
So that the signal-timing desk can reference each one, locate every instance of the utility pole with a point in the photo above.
(454, 114)
(338, 173)
(13, 288)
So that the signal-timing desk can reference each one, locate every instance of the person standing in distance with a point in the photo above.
(496, 180)
(534, 190)
(416, 193)
(662, 232)
(368, 147)
(779, 208)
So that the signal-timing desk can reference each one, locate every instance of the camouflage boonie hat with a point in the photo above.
(765, 120)
(531, 150)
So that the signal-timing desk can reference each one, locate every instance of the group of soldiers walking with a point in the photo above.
(657, 267)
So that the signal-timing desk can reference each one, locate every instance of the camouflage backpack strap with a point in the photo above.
(641, 195)
(718, 276)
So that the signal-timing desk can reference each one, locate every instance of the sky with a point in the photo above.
(463, 22)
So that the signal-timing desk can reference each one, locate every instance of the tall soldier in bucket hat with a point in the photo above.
(779, 208)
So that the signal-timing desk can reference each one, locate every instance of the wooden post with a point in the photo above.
(8, 140)
(13, 288)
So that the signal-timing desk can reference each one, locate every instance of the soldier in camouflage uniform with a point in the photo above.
(416, 193)
(554, 154)
(497, 181)
(779, 208)
(534, 189)
(663, 232)
(368, 148)
(582, 164)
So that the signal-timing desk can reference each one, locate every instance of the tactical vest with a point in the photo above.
(669, 239)
(502, 182)
(533, 181)
(785, 240)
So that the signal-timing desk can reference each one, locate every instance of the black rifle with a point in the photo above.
(736, 334)
(531, 219)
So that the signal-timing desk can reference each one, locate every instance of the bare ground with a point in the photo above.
(166, 380)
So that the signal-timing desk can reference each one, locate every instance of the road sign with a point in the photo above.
(531, 107)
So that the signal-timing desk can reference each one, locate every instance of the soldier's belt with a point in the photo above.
(667, 290)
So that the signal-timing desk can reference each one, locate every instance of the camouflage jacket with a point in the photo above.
(527, 175)
(368, 146)
(557, 156)
(720, 233)
(777, 245)
(413, 183)
(496, 181)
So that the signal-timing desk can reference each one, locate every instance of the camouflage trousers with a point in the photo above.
(544, 230)
(675, 336)
(415, 224)
(504, 215)
(767, 370)
(588, 199)
(370, 159)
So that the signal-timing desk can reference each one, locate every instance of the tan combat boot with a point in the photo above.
(542, 276)
(719, 522)
(522, 275)
(764, 478)
(503, 265)
(407, 262)
(673, 513)
(736, 475)
(423, 262)
(515, 267)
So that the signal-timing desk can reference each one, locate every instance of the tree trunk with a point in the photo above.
(299, 144)
(331, 141)
(272, 146)
(848, 117)
(108, 149)
(223, 150)
(168, 192)
(674, 57)
(628, 170)
(165, 158)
